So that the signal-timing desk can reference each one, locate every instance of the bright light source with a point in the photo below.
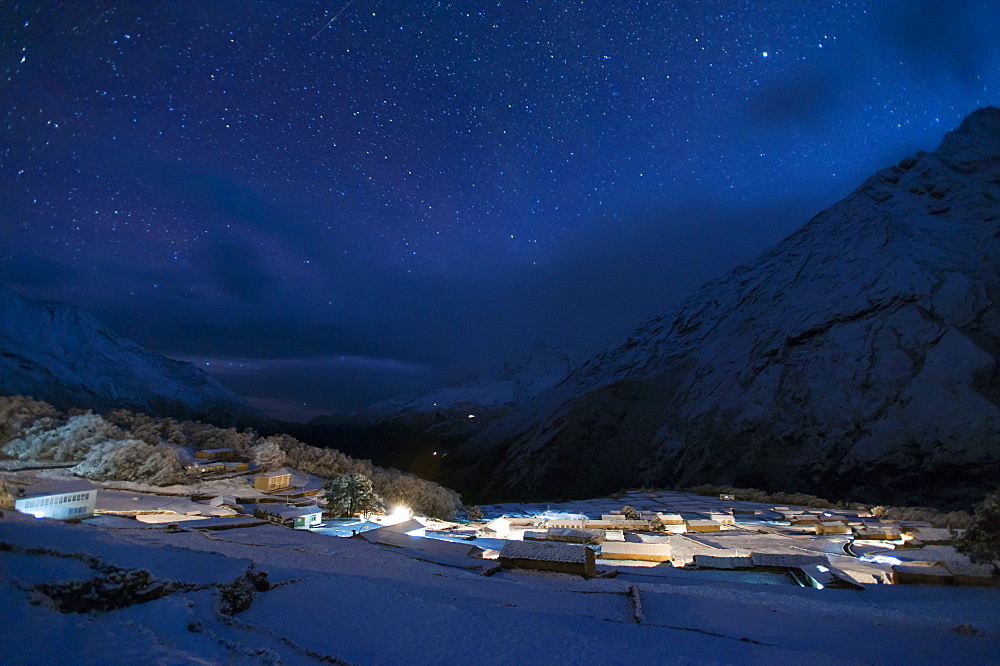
(880, 559)
(401, 512)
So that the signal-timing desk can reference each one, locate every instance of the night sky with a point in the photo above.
(324, 204)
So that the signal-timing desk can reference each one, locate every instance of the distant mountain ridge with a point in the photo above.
(410, 432)
(460, 409)
(63, 355)
(858, 357)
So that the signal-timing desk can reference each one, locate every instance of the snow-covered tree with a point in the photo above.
(426, 497)
(19, 412)
(351, 494)
(65, 443)
(268, 455)
(475, 513)
(210, 437)
(150, 429)
(630, 513)
(981, 542)
(133, 460)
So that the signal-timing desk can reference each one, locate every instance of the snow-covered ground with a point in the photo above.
(173, 496)
(640, 500)
(156, 508)
(339, 600)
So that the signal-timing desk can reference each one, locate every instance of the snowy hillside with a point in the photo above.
(860, 356)
(61, 354)
(136, 593)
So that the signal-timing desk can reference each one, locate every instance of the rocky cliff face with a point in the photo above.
(63, 355)
(858, 357)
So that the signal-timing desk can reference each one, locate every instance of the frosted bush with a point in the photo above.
(269, 455)
(150, 429)
(210, 437)
(19, 412)
(133, 460)
(401, 489)
(981, 542)
(66, 443)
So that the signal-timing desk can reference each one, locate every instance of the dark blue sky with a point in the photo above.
(329, 215)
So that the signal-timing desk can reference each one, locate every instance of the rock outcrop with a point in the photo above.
(860, 357)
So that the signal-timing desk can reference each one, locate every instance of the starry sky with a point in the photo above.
(328, 203)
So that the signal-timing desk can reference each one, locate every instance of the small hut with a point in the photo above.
(549, 556)
(273, 480)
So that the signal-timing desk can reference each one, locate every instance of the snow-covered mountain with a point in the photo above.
(415, 432)
(860, 356)
(63, 355)
(461, 410)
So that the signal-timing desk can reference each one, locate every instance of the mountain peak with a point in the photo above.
(975, 140)
(62, 354)
(859, 357)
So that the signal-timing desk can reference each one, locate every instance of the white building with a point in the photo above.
(297, 517)
(59, 499)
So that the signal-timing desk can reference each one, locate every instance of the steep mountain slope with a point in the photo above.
(61, 354)
(860, 357)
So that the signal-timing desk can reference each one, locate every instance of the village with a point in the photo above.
(646, 533)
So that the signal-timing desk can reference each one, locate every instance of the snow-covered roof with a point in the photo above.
(284, 471)
(286, 512)
(58, 488)
(561, 515)
(404, 527)
(629, 548)
(428, 545)
(723, 559)
(788, 559)
(547, 551)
